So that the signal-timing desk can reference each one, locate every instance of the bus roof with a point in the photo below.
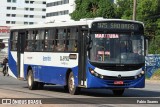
(88, 22)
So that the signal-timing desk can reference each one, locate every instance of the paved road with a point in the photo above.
(12, 88)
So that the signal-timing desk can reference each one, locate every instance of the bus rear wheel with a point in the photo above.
(118, 92)
(71, 85)
(32, 85)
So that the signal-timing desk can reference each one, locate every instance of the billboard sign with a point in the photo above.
(4, 30)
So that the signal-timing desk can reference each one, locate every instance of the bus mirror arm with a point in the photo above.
(146, 45)
(89, 45)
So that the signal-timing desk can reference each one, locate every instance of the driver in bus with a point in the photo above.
(123, 47)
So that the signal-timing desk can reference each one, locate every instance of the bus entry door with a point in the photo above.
(20, 53)
(82, 57)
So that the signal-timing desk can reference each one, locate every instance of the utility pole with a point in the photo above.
(134, 9)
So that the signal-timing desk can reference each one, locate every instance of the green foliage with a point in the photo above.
(124, 9)
(156, 75)
(93, 8)
(155, 44)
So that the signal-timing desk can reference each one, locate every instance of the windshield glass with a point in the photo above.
(117, 48)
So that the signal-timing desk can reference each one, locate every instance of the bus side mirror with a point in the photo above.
(89, 45)
(146, 46)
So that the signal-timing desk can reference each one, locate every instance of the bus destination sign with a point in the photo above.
(117, 25)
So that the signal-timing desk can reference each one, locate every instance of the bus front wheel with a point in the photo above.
(30, 79)
(118, 92)
(71, 85)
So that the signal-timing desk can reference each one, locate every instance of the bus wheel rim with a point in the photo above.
(29, 80)
(71, 83)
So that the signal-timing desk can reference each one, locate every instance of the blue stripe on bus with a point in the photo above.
(95, 82)
(12, 64)
(51, 74)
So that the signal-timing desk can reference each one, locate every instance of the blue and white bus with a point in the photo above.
(91, 53)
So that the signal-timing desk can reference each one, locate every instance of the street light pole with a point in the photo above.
(134, 9)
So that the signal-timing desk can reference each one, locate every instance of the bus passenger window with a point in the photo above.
(52, 46)
(26, 46)
(72, 39)
(14, 45)
(75, 46)
(60, 47)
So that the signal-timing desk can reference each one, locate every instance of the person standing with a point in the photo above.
(5, 61)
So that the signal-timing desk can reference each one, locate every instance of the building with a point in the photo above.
(59, 10)
(20, 12)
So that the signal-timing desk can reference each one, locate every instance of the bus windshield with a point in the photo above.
(120, 48)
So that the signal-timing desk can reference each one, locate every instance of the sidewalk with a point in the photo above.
(153, 81)
(0, 69)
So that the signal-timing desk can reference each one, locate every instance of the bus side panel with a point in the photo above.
(12, 62)
(53, 75)
(50, 67)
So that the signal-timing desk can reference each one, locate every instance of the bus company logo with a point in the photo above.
(119, 76)
(47, 58)
(6, 101)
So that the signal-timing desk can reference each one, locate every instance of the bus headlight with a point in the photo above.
(102, 76)
(135, 77)
(95, 73)
(139, 75)
(142, 72)
(92, 71)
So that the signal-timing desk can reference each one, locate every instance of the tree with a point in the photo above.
(124, 9)
(92, 9)
(148, 12)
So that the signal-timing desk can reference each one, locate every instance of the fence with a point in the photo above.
(152, 64)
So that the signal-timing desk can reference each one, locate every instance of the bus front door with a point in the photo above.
(20, 53)
(82, 57)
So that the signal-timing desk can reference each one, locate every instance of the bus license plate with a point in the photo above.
(118, 82)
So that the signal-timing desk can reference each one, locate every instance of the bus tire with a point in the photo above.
(32, 85)
(71, 85)
(66, 88)
(118, 92)
(40, 85)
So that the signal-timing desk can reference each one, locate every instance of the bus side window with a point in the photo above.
(49, 40)
(72, 43)
(39, 43)
(14, 45)
(75, 45)
(26, 46)
(14, 41)
(60, 40)
(30, 43)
